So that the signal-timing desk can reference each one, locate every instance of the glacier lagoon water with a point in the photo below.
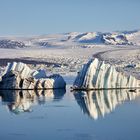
(60, 114)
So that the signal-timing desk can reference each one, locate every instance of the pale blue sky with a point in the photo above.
(34, 17)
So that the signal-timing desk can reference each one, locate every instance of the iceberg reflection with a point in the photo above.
(22, 100)
(100, 102)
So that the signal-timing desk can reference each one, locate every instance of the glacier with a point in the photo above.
(20, 76)
(100, 75)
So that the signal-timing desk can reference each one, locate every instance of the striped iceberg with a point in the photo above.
(20, 76)
(98, 75)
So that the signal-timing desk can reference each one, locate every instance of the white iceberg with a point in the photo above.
(20, 76)
(98, 75)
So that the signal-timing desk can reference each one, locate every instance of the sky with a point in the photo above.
(37, 17)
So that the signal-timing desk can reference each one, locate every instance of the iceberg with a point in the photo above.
(20, 76)
(99, 75)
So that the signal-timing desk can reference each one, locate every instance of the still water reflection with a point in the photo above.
(100, 102)
(94, 103)
(22, 100)
(56, 114)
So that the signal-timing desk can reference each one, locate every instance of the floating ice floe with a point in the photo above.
(20, 76)
(98, 75)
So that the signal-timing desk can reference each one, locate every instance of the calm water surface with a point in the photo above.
(60, 114)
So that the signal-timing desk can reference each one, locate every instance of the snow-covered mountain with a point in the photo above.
(102, 38)
(73, 38)
(6, 43)
(112, 38)
(134, 37)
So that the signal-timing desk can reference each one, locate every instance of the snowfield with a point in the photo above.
(52, 59)
(66, 53)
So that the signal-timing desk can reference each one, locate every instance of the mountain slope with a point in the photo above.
(6, 43)
(73, 39)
